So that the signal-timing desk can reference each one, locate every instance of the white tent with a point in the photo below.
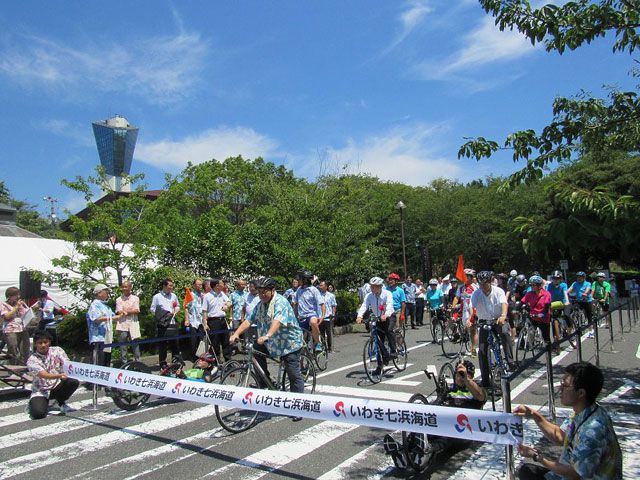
(20, 253)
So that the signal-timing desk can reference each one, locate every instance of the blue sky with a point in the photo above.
(388, 88)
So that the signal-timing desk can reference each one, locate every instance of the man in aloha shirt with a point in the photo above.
(100, 319)
(278, 331)
(49, 380)
(590, 446)
(237, 302)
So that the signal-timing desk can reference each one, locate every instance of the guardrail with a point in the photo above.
(632, 311)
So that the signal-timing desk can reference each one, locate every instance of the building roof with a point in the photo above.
(7, 230)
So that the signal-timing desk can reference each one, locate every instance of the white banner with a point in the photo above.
(469, 424)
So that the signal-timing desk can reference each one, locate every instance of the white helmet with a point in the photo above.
(513, 273)
(601, 274)
(376, 281)
(433, 281)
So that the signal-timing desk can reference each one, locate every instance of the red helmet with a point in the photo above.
(392, 276)
(207, 357)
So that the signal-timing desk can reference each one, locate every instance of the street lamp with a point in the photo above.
(401, 206)
(53, 208)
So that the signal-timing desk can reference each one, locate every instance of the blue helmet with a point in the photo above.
(581, 274)
(536, 280)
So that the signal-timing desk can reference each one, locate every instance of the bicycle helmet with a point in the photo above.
(485, 276)
(534, 273)
(513, 273)
(207, 357)
(266, 282)
(376, 281)
(581, 274)
(536, 280)
(305, 274)
(521, 279)
(601, 274)
(469, 271)
(393, 276)
(468, 364)
(556, 274)
(433, 281)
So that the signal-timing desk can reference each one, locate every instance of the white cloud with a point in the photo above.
(161, 69)
(403, 154)
(411, 17)
(486, 44)
(219, 143)
(80, 133)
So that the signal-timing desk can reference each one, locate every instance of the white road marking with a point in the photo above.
(23, 417)
(276, 456)
(29, 462)
(614, 397)
(402, 381)
(376, 463)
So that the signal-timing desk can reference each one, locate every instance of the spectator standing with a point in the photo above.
(634, 288)
(16, 337)
(237, 302)
(420, 295)
(410, 292)
(445, 286)
(326, 328)
(290, 294)
(590, 447)
(100, 319)
(193, 317)
(127, 326)
(214, 318)
(164, 305)
(251, 301)
(49, 380)
(614, 290)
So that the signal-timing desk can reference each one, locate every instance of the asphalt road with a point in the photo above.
(169, 439)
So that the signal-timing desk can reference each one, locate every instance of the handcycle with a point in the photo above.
(375, 354)
(415, 445)
(529, 339)
(130, 400)
(249, 374)
(455, 337)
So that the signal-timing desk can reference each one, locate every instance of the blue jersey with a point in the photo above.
(579, 289)
(398, 297)
(434, 297)
(557, 293)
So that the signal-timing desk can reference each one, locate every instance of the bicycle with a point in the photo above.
(417, 458)
(375, 353)
(320, 357)
(251, 375)
(438, 319)
(578, 316)
(495, 358)
(529, 339)
(560, 328)
(455, 337)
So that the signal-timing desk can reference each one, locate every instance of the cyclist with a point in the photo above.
(463, 296)
(582, 291)
(399, 297)
(435, 298)
(602, 294)
(310, 308)
(513, 274)
(380, 302)
(539, 301)
(558, 290)
(514, 296)
(491, 306)
(326, 328)
(279, 333)
(464, 393)
(451, 294)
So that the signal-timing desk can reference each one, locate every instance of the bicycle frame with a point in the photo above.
(253, 365)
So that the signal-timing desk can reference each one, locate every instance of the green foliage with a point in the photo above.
(348, 303)
(72, 333)
(27, 217)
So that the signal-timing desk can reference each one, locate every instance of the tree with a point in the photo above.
(26, 215)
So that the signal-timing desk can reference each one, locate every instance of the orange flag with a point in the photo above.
(188, 298)
(460, 275)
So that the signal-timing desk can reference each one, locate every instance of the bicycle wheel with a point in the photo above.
(371, 355)
(322, 357)
(436, 330)
(416, 445)
(524, 344)
(127, 399)
(400, 361)
(308, 372)
(232, 419)
(452, 339)
(447, 374)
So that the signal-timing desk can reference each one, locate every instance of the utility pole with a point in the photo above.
(53, 208)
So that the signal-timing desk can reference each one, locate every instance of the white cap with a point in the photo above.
(100, 287)
(446, 279)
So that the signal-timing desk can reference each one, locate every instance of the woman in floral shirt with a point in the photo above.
(49, 380)
(12, 312)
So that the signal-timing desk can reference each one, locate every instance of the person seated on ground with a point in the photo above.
(204, 369)
(422, 451)
(49, 379)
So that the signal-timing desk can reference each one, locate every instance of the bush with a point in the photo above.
(348, 304)
(73, 335)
